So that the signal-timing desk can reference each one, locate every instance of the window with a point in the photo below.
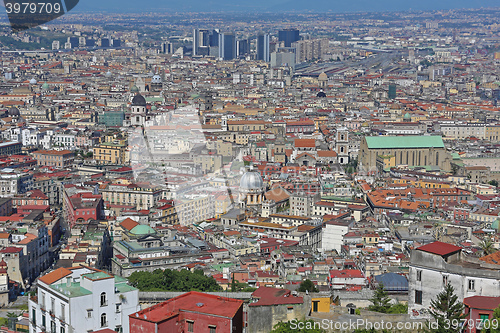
(33, 315)
(104, 322)
(118, 308)
(471, 285)
(52, 327)
(212, 329)
(419, 275)
(118, 329)
(43, 320)
(445, 280)
(89, 313)
(63, 311)
(52, 304)
(190, 326)
(418, 296)
(63, 330)
(103, 299)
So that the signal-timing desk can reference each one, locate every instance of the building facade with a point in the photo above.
(82, 299)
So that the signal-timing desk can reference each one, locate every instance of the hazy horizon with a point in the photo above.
(278, 6)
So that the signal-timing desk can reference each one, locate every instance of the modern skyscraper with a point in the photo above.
(196, 40)
(288, 36)
(243, 47)
(227, 46)
(167, 48)
(201, 38)
(263, 47)
(214, 37)
(392, 91)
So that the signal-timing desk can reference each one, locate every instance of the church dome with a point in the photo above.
(407, 116)
(33, 81)
(251, 181)
(153, 108)
(495, 224)
(45, 86)
(134, 89)
(323, 77)
(14, 112)
(138, 100)
(108, 74)
(142, 230)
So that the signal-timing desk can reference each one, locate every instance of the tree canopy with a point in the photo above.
(381, 301)
(171, 280)
(307, 285)
(445, 309)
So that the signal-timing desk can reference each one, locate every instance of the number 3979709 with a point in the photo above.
(33, 8)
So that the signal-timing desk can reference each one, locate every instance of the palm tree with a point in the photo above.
(487, 246)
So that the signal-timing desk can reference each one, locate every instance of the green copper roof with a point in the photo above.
(142, 229)
(404, 142)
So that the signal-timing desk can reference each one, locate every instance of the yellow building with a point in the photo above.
(492, 133)
(320, 304)
(111, 153)
(370, 238)
(421, 183)
(385, 162)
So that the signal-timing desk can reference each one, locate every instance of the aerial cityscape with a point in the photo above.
(250, 171)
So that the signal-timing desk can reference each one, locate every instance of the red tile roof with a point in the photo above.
(192, 301)
(482, 302)
(273, 296)
(128, 224)
(55, 275)
(440, 248)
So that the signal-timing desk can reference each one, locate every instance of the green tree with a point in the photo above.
(307, 285)
(399, 308)
(171, 280)
(446, 308)
(298, 326)
(494, 324)
(493, 183)
(380, 300)
(487, 246)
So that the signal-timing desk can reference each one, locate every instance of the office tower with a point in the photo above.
(105, 42)
(116, 42)
(242, 47)
(196, 41)
(263, 47)
(82, 41)
(201, 38)
(392, 91)
(56, 45)
(167, 48)
(90, 42)
(74, 41)
(214, 38)
(288, 36)
(227, 46)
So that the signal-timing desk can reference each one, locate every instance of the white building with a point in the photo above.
(333, 234)
(434, 265)
(82, 299)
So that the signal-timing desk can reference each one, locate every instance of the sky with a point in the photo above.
(278, 5)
